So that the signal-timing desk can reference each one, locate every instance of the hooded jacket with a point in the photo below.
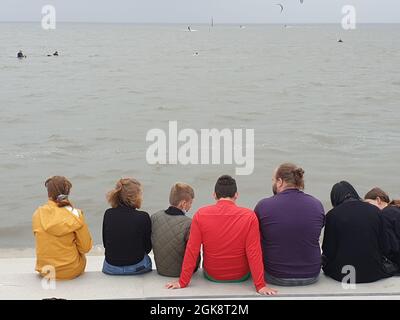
(354, 237)
(62, 240)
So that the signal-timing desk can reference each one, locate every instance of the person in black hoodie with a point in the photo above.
(126, 231)
(354, 237)
(391, 215)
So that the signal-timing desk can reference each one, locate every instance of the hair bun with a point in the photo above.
(299, 172)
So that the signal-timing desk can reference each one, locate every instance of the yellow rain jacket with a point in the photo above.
(62, 239)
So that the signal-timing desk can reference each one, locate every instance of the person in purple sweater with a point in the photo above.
(291, 222)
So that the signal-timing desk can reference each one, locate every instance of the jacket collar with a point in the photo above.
(226, 202)
(174, 211)
(289, 190)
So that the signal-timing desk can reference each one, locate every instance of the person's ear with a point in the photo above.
(236, 196)
(215, 196)
(181, 204)
(378, 201)
(188, 205)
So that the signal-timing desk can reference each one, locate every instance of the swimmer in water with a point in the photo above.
(20, 55)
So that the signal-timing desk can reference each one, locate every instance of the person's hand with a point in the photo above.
(173, 285)
(267, 291)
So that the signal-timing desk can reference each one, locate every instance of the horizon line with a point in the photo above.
(197, 23)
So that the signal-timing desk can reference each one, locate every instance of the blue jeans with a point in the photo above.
(270, 279)
(141, 267)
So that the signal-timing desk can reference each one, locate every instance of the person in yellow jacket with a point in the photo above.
(61, 234)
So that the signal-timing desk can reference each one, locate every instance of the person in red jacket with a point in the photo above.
(230, 237)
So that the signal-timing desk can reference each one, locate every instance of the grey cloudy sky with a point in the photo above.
(200, 11)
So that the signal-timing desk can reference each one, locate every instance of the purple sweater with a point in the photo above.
(291, 224)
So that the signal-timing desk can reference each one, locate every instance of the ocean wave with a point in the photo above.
(10, 166)
(84, 177)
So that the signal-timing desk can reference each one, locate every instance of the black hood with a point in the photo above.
(343, 191)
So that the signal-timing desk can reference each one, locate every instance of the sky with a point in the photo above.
(201, 11)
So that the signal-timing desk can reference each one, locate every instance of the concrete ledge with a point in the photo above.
(18, 281)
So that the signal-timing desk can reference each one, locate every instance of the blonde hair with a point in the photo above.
(179, 192)
(58, 189)
(127, 192)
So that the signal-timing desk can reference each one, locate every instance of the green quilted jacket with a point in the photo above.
(169, 236)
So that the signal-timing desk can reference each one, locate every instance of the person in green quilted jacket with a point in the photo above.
(170, 231)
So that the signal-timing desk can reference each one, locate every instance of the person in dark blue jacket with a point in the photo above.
(391, 215)
(355, 242)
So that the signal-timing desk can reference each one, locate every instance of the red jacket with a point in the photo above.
(230, 237)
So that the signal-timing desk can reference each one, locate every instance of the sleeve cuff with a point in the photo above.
(261, 285)
(182, 284)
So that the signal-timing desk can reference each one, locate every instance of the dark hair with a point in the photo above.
(395, 203)
(291, 174)
(376, 193)
(58, 189)
(343, 191)
(225, 187)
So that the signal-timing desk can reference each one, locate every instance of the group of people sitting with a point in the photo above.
(277, 243)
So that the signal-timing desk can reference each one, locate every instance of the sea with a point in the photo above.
(331, 108)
